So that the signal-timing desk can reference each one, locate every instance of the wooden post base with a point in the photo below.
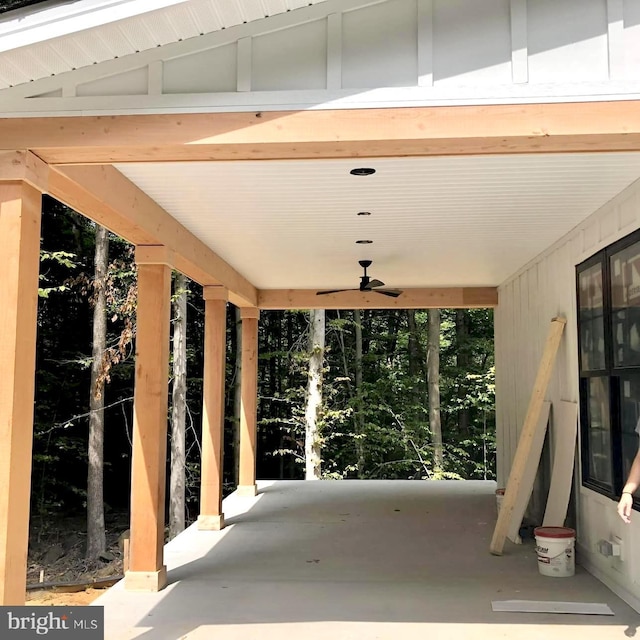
(247, 490)
(149, 581)
(211, 523)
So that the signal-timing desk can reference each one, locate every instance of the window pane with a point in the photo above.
(599, 431)
(630, 419)
(591, 319)
(625, 306)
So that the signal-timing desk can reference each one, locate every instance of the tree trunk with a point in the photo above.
(237, 396)
(359, 413)
(177, 505)
(314, 395)
(96, 540)
(433, 376)
(394, 327)
(462, 361)
(414, 354)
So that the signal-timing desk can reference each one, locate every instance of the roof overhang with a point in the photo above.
(227, 137)
(502, 154)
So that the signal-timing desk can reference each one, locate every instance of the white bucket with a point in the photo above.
(555, 549)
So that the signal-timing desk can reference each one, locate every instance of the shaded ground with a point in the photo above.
(56, 555)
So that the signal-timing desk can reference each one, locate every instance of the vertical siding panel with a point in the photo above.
(499, 350)
(503, 394)
(515, 364)
(523, 345)
(513, 404)
(528, 301)
(519, 46)
(508, 395)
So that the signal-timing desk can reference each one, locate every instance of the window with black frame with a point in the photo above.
(608, 287)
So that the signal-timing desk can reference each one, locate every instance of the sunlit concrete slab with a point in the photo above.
(357, 560)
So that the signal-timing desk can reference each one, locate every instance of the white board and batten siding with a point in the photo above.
(545, 288)
(340, 54)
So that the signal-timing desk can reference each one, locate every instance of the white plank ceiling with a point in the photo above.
(459, 221)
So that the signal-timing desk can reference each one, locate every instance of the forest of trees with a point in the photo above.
(370, 404)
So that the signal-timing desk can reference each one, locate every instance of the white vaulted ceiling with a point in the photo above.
(463, 221)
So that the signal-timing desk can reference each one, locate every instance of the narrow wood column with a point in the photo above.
(211, 517)
(20, 208)
(150, 406)
(249, 402)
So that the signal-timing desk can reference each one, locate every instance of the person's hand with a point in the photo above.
(625, 506)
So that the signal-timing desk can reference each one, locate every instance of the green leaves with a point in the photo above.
(391, 406)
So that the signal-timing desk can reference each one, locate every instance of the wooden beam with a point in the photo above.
(211, 517)
(103, 194)
(433, 298)
(20, 206)
(248, 403)
(24, 166)
(150, 405)
(527, 436)
(404, 131)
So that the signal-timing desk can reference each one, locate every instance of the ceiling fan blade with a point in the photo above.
(374, 283)
(392, 293)
(322, 293)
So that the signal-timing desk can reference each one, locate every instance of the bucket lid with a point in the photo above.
(554, 532)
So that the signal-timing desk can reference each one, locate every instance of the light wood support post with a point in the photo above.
(20, 213)
(211, 517)
(150, 405)
(249, 403)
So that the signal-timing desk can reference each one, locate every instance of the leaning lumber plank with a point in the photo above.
(527, 435)
(529, 474)
(564, 432)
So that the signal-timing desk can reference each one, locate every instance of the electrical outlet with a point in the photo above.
(617, 542)
(605, 548)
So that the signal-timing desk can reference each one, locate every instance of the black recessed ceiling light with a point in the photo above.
(364, 213)
(362, 171)
(364, 241)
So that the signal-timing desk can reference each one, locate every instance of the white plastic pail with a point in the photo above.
(555, 549)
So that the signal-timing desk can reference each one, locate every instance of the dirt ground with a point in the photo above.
(56, 556)
(54, 599)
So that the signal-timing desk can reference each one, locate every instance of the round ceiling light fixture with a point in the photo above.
(362, 171)
(364, 241)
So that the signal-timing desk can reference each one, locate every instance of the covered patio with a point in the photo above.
(357, 559)
(506, 152)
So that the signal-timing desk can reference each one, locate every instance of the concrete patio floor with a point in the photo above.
(357, 560)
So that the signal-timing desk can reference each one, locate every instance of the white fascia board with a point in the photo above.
(312, 100)
(21, 28)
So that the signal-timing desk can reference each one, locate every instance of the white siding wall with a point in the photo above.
(543, 289)
(344, 53)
